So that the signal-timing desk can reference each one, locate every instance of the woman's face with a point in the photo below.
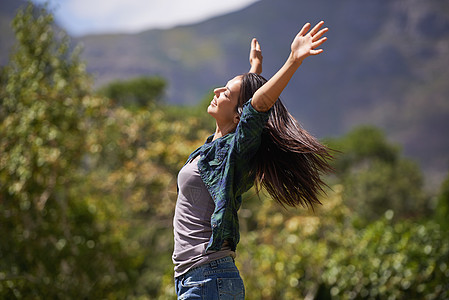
(223, 106)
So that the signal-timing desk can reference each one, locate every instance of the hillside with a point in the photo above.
(385, 64)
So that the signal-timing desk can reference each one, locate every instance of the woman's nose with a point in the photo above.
(217, 91)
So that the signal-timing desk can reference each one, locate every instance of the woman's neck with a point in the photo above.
(223, 129)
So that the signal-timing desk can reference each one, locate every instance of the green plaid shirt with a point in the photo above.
(226, 166)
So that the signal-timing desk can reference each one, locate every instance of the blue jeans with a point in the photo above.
(218, 279)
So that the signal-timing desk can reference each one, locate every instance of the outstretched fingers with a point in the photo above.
(317, 39)
(255, 44)
(315, 52)
(319, 42)
(315, 32)
(319, 34)
(304, 29)
(316, 44)
(308, 40)
(316, 28)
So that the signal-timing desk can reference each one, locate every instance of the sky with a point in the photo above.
(80, 17)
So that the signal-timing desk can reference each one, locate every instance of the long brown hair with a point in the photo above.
(290, 162)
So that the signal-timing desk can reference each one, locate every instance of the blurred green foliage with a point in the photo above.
(442, 209)
(139, 91)
(324, 255)
(376, 177)
(88, 189)
(55, 242)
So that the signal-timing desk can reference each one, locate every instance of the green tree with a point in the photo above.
(296, 254)
(200, 121)
(139, 91)
(299, 254)
(55, 241)
(376, 177)
(138, 154)
(362, 145)
(442, 209)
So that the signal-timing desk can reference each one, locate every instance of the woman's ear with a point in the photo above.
(236, 118)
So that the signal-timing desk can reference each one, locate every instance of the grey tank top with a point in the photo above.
(191, 223)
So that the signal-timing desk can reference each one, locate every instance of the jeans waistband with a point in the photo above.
(212, 264)
(220, 260)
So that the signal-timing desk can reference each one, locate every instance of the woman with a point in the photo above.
(256, 141)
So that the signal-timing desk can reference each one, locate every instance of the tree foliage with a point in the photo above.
(442, 209)
(296, 255)
(138, 155)
(376, 177)
(139, 91)
(55, 243)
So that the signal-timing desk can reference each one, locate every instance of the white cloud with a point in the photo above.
(94, 16)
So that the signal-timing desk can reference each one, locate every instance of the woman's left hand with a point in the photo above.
(305, 43)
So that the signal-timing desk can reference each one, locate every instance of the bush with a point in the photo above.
(376, 177)
(325, 256)
(137, 92)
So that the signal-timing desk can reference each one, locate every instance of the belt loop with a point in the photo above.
(213, 264)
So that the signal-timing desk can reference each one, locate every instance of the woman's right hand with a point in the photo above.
(255, 57)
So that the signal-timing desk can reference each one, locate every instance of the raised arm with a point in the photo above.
(304, 45)
(255, 57)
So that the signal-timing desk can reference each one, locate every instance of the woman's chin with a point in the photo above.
(210, 110)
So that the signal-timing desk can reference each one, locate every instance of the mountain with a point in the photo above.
(385, 63)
